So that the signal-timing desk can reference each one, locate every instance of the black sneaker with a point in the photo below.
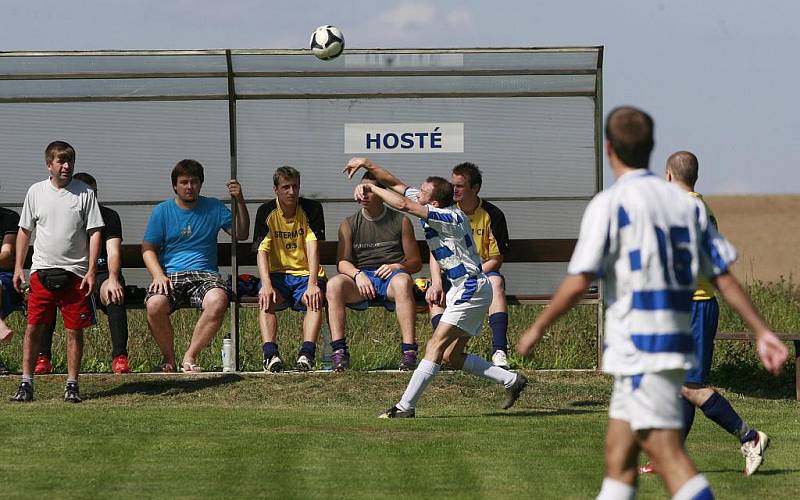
(71, 393)
(395, 412)
(513, 392)
(24, 393)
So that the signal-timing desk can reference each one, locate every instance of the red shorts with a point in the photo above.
(76, 309)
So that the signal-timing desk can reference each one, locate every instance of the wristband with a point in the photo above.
(355, 275)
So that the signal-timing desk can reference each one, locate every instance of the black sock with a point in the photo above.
(118, 324)
(46, 341)
(339, 344)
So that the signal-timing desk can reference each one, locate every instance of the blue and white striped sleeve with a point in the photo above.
(717, 254)
(593, 241)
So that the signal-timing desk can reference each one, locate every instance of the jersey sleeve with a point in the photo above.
(94, 219)
(225, 216)
(498, 230)
(412, 193)
(260, 226)
(265, 244)
(27, 218)
(315, 217)
(717, 254)
(594, 238)
(10, 223)
(113, 227)
(154, 232)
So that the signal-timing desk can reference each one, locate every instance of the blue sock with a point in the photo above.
(720, 411)
(270, 349)
(408, 347)
(435, 321)
(688, 416)
(339, 344)
(308, 348)
(498, 322)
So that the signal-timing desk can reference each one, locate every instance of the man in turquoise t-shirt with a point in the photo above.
(180, 252)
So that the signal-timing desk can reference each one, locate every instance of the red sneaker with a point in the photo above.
(120, 364)
(43, 365)
(647, 469)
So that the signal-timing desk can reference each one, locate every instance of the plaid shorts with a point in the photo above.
(190, 287)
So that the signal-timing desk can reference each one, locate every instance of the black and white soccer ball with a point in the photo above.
(327, 42)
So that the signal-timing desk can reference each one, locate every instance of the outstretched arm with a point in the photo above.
(393, 199)
(771, 350)
(383, 176)
(568, 294)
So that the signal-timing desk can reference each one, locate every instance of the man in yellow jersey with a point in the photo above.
(490, 234)
(682, 168)
(287, 232)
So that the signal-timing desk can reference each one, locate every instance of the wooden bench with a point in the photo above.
(786, 337)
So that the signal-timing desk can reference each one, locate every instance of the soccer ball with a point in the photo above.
(327, 42)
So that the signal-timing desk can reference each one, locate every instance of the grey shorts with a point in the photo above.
(190, 287)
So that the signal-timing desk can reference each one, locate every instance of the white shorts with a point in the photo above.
(467, 304)
(648, 401)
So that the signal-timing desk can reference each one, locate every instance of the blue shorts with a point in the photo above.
(381, 291)
(291, 288)
(705, 316)
(10, 295)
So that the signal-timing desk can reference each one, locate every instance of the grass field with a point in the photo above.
(316, 435)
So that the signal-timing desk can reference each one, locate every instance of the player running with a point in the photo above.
(453, 252)
(649, 242)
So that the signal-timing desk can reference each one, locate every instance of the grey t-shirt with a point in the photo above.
(376, 241)
(62, 219)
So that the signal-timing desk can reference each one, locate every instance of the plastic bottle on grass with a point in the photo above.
(227, 355)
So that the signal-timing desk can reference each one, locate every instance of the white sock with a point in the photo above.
(478, 366)
(616, 490)
(696, 487)
(422, 376)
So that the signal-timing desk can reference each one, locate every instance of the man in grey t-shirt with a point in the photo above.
(65, 214)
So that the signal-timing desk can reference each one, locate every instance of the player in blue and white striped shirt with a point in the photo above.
(648, 241)
(453, 253)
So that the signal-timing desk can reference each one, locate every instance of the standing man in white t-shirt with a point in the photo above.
(65, 214)
(649, 242)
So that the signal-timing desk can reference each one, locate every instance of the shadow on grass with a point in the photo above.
(761, 472)
(520, 413)
(168, 386)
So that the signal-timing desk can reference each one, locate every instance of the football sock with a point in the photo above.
(718, 409)
(476, 365)
(270, 349)
(616, 490)
(28, 379)
(435, 321)
(498, 323)
(416, 386)
(339, 344)
(46, 341)
(688, 416)
(696, 488)
(71, 381)
(408, 347)
(308, 348)
(118, 324)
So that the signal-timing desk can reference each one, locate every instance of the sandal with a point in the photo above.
(189, 367)
(164, 367)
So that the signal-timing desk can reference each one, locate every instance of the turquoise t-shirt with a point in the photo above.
(187, 239)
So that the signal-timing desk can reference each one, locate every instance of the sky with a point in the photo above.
(718, 76)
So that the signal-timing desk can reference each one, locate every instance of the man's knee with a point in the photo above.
(157, 305)
(402, 286)
(215, 302)
(337, 286)
(696, 393)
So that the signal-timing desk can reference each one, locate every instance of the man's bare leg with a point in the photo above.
(74, 353)
(158, 309)
(215, 303)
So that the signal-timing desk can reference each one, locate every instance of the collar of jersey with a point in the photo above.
(635, 174)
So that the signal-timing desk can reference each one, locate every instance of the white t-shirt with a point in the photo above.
(61, 218)
(449, 237)
(649, 242)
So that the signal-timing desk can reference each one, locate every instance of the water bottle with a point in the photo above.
(325, 333)
(227, 355)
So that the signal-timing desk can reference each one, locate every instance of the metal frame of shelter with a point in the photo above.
(237, 75)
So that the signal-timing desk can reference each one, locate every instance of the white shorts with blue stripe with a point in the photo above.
(648, 401)
(467, 304)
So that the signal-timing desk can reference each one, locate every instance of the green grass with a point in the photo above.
(316, 435)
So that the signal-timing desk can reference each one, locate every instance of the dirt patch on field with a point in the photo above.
(765, 231)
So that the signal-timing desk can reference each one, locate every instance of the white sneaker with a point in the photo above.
(753, 453)
(500, 359)
(273, 364)
(304, 363)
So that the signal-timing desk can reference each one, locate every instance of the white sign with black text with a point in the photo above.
(403, 138)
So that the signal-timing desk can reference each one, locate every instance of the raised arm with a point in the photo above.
(394, 200)
(242, 215)
(383, 176)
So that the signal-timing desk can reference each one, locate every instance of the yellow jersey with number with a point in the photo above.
(284, 239)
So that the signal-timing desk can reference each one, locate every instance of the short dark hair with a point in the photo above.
(369, 176)
(470, 171)
(191, 168)
(684, 167)
(630, 132)
(87, 179)
(442, 191)
(285, 172)
(60, 149)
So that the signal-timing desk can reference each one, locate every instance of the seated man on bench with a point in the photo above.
(180, 252)
(377, 254)
(9, 297)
